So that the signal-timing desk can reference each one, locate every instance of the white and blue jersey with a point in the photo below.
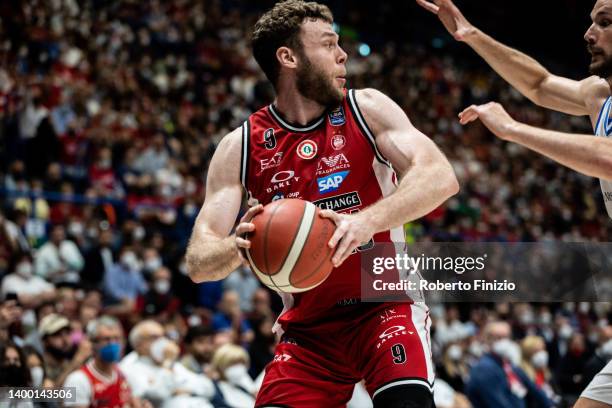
(603, 127)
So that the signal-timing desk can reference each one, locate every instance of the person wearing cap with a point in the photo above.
(61, 355)
(99, 382)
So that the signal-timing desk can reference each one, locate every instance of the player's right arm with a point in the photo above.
(212, 253)
(524, 73)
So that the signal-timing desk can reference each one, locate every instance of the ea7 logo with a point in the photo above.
(332, 182)
(274, 161)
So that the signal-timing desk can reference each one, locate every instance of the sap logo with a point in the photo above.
(336, 117)
(332, 182)
(272, 162)
(332, 163)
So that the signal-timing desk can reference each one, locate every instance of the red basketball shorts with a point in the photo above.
(318, 365)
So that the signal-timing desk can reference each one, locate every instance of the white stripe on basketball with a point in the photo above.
(281, 279)
(402, 382)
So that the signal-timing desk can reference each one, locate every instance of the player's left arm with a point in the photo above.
(426, 177)
(587, 154)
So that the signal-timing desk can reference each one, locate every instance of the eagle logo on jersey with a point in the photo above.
(338, 142)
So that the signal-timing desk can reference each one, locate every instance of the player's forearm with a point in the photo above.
(422, 189)
(587, 154)
(211, 259)
(520, 70)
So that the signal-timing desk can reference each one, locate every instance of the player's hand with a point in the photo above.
(351, 231)
(243, 227)
(452, 18)
(493, 116)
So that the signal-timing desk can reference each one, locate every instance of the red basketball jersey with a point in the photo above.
(115, 393)
(334, 163)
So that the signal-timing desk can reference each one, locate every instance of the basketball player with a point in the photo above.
(590, 155)
(357, 156)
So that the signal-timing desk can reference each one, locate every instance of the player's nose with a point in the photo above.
(589, 36)
(343, 56)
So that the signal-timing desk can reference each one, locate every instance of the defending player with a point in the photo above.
(354, 152)
(587, 154)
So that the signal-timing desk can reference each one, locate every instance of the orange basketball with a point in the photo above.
(289, 251)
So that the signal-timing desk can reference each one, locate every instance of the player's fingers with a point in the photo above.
(332, 215)
(243, 243)
(338, 234)
(429, 6)
(347, 251)
(343, 246)
(252, 212)
(244, 227)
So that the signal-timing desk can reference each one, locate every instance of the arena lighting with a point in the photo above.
(437, 43)
(364, 49)
(336, 27)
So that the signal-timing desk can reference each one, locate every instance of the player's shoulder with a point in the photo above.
(379, 110)
(595, 90)
(232, 142)
(370, 98)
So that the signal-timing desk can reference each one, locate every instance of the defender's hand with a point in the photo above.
(452, 18)
(245, 226)
(493, 116)
(351, 232)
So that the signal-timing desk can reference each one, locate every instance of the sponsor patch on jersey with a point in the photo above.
(332, 163)
(340, 202)
(338, 142)
(282, 180)
(332, 182)
(307, 149)
(272, 162)
(336, 117)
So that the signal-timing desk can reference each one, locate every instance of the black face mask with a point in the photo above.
(60, 354)
(12, 375)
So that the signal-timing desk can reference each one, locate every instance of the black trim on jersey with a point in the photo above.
(419, 379)
(363, 126)
(245, 154)
(291, 127)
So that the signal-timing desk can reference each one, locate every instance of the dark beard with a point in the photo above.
(602, 69)
(60, 354)
(313, 84)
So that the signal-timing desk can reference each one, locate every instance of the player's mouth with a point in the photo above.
(342, 80)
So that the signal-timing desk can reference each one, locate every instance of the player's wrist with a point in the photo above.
(472, 35)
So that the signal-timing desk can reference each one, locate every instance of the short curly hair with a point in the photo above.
(280, 27)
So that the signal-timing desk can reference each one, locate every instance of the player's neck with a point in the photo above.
(297, 109)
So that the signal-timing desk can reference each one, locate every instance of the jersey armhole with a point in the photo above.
(365, 129)
(601, 111)
(245, 153)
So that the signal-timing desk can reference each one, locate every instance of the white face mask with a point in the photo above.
(37, 374)
(25, 270)
(153, 264)
(455, 353)
(540, 359)
(236, 374)
(606, 349)
(508, 350)
(162, 286)
(566, 332)
(476, 349)
(158, 348)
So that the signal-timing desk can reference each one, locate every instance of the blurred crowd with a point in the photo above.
(109, 115)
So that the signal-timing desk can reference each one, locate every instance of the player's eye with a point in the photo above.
(604, 23)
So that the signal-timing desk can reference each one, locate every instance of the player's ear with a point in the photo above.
(286, 57)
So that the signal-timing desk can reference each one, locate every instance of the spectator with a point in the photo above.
(59, 260)
(36, 366)
(61, 356)
(32, 290)
(8, 245)
(13, 367)
(601, 357)
(100, 382)
(159, 300)
(244, 282)
(571, 366)
(230, 318)
(98, 260)
(10, 313)
(446, 397)
(123, 282)
(230, 363)
(495, 381)
(155, 375)
(454, 370)
(199, 348)
(535, 364)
